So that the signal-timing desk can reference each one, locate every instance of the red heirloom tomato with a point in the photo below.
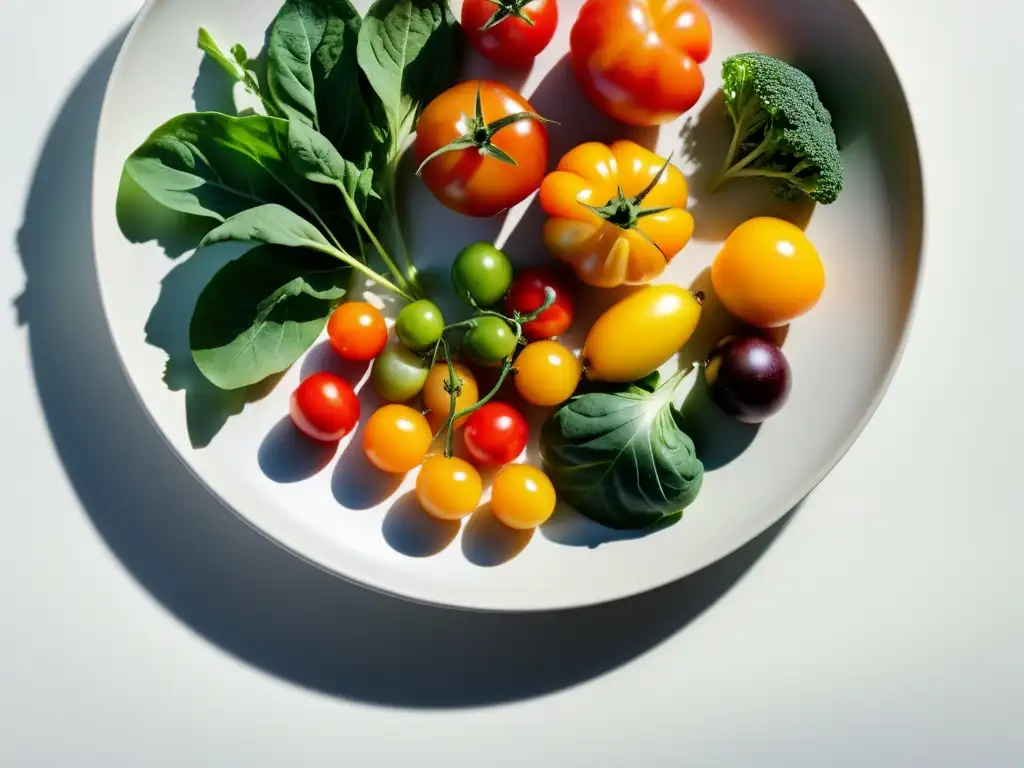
(527, 295)
(481, 148)
(325, 407)
(510, 32)
(637, 60)
(496, 434)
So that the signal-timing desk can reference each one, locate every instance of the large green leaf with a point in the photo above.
(410, 50)
(270, 224)
(260, 312)
(314, 76)
(622, 458)
(214, 165)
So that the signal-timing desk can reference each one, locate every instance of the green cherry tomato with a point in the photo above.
(489, 340)
(398, 374)
(481, 274)
(419, 325)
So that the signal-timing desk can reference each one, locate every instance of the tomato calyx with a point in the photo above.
(479, 134)
(508, 9)
(625, 212)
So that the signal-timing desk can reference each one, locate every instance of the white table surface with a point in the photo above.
(143, 625)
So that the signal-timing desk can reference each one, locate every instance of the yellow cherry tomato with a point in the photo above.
(397, 438)
(522, 497)
(438, 402)
(448, 489)
(547, 373)
(768, 273)
(637, 335)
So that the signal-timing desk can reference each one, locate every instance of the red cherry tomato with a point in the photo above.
(357, 331)
(510, 40)
(638, 61)
(325, 407)
(470, 180)
(527, 295)
(496, 434)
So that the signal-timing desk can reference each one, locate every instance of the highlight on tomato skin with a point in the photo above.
(325, 407)
(496, 434)
(509, 40)
(469, 178)
(638, 61)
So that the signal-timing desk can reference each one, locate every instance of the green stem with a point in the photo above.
(353, 210)
(345, 257)
(391, 210)
(506, 368)
(734, 171)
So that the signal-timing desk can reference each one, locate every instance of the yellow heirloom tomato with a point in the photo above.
(639, 334)
(618, 213)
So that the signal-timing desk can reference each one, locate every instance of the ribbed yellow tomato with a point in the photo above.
(397, 438)
(448, 489)
(547, 373)
(768, 273)
(522, 497)
(639, 334)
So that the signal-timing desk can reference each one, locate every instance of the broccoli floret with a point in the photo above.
(782, 130)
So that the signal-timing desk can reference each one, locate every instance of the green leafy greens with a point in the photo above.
(310, 182)
(621, 457)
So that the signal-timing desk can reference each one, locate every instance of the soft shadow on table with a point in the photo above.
(226, 581)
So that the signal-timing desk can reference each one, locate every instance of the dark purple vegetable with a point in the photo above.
(748, 377)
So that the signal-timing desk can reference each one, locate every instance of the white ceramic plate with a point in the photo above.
(339, 514)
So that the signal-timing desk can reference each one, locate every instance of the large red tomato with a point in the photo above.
(638, 60)
(510, 32)
(481, 148)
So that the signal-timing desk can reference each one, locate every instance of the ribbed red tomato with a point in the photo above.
(496, 434)
(638, 60)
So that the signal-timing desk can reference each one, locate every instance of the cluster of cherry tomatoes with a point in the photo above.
(532, 308)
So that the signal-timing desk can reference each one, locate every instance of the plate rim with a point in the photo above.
(410, 592)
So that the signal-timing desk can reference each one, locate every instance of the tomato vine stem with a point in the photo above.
(453, 384)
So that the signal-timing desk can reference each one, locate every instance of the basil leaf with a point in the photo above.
(260, 312)
(214, 165)
(270, 224)
(209, 46)
(410, 50)
(622, 458)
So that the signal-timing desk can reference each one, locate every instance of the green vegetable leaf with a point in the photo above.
(228, 64)
(316, 159)
(314, 76)
(622, 458)
(270, 224)
(410, 50)
(260, 312)
(214, 165)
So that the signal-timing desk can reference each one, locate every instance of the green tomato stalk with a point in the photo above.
(453, 384)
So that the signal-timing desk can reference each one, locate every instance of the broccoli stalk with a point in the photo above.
(781, 131)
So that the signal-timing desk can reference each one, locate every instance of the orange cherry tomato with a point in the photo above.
(325, 407)
(448, 489)
(471, 179)
(397, 438)
(547, 373)
(522, 497)
(638, 60)
(768, 273)
(438, 402)
(617, 245)
(357, 331)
